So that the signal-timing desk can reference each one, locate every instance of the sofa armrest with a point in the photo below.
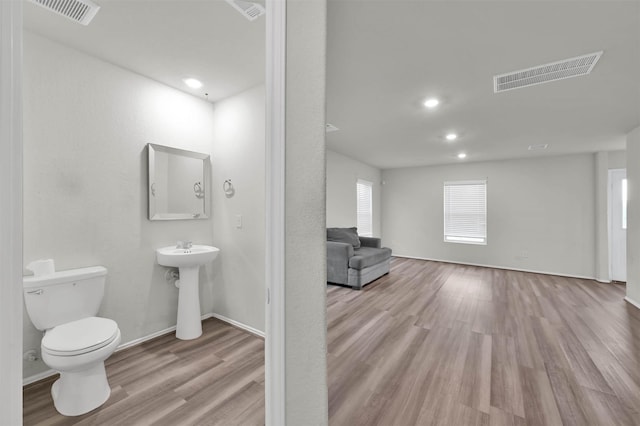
(338, 255)
(370, 242)
(339, 250)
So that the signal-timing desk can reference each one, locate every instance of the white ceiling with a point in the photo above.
(386, 57)
(167, 40)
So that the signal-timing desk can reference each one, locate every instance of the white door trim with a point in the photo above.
(11, 212)
(275, 213)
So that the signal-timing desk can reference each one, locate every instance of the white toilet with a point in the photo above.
(76, 342)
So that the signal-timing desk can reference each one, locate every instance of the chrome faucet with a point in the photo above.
(186, 245)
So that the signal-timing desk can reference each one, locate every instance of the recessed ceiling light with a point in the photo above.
(431, 103)
(193, 83)
(462, 155)
(451, 137)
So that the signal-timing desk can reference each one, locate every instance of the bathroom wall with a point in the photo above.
(86, 125)
(239, 219)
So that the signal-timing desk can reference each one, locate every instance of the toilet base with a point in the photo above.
(78, 392)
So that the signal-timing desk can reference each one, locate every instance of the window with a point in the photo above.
(465, 212)
(364, 192)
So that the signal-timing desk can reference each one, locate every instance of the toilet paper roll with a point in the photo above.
(42, 267)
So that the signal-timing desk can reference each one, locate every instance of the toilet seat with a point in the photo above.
(80, 337)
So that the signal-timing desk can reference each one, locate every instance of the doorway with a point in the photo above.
(11, 225)
(617, 213)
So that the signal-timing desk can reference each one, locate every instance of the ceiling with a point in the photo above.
(167, 40)
(386, 57)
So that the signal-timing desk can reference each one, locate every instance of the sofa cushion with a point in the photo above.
(368, 256)
(344, 235)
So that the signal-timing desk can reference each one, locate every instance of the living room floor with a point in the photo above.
(437, 343)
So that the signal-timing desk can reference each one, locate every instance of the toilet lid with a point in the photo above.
(81, 336)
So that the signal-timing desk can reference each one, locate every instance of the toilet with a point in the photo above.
(76, 343)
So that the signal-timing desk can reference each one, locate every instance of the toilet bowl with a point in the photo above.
(77, 350)
(76, 342)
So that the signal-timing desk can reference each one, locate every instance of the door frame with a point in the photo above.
(275, 414)
(11, 213)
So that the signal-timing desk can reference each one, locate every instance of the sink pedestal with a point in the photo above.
(189, 324)
(188, 260)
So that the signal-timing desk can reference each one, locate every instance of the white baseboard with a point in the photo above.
(37, 377)
(135, 342)
(508, 268)
(633, 302)
(153, 335)
(239, 325)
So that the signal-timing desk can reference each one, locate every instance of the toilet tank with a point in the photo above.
(64, 296)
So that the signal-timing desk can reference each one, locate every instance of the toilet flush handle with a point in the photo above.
(37, 292)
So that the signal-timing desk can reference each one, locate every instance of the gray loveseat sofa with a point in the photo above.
(355, 261)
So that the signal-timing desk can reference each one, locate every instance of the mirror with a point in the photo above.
(178, 183)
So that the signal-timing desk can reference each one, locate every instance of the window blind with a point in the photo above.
(364, 191)
(465, 212)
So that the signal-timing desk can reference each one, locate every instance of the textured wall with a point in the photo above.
(633, 216)
(617, 159)
(540, 213)
(239, 155)
(305, 267)
(342, 174)
(86, 124)
(601, 185)
(10, 212)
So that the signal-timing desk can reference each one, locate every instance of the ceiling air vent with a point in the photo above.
(249, 10)
(574, 67)
(81, 11)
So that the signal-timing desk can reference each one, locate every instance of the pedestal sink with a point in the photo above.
(188, 261)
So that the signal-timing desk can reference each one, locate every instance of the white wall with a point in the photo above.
(306, 401)
(10, 212)
(617, 159)
(601, 215)
(633, 216)
(540, 214)
(239, 155)
(342, 174)
(87, 123)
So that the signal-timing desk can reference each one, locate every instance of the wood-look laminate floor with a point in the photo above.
(440, 344)
(217, 379)
(428, 344)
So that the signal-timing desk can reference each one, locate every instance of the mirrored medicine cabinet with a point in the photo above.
(179, 182)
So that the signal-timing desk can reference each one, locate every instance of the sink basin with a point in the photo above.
(195, 256)
(188, 261)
